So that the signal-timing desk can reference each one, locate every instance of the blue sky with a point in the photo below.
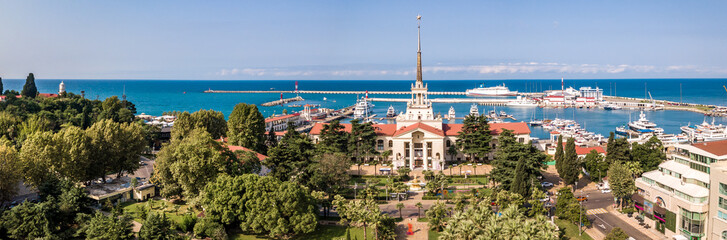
(362, 39)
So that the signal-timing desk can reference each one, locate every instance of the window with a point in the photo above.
(692, 222)
(723, 188)
(723, 203)
(380, 145)
(699, 167)
(449, 143)
(724, 234)
(391, 144)
(721, 215)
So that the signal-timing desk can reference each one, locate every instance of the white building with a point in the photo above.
(419, 139)
(683, 195)
(595, 93)
(280, 123)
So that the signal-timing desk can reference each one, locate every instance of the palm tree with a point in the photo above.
(400, 206)
(419, 206)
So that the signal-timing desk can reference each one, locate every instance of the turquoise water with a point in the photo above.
(157, 96)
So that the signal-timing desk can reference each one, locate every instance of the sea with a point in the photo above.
(157, 96)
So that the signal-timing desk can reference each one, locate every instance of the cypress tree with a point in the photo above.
(570, 163)
(475, 137)
(246, 127)
(29, 89)
(558, 157)
(1, 85)
(520, 183)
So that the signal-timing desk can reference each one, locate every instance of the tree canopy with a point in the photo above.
(621, 181)
(509, 154)
(571, 168)
(246, 127)
(333, 138)
(291, 158)
(212, 121)
(29, 89)
(261, 205)
(475, 137)
(478, 221)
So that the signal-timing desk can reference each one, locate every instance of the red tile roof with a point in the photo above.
(416, 126)
(47, 94)
(586, 150)
(381, 129)
(235, 148)
(516, 127)
(718, 148)
(281, 117)
(448, 129)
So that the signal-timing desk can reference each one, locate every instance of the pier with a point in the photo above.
(479, 101)
(282, 101)
(334, 92)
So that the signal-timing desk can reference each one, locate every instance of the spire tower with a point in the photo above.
(419, 82)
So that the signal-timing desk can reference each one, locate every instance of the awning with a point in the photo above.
(637, 198)
(659, 210)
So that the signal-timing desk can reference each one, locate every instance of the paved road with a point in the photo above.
(602, 220)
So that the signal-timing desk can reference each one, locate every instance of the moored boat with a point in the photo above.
(482, 91)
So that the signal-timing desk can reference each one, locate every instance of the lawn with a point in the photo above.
(173, 211)
(326, 232)
(433, 235)
(571, 230)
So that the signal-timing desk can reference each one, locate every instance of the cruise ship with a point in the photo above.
(362, 109)
(705, 132)
(495, 91)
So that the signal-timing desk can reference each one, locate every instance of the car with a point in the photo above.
(606, 190)
(545, 199)
(546, 184)
(582, 198)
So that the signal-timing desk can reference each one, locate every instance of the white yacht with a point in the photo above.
(451, 112)
(522, 102)
(363, 109)
(483, 91)
(474, 111)
(705, 132)
(611, 107)
(643, 125)
(391, 112)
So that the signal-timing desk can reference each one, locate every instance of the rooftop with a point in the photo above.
(717, 148)
(586, 150)
(281, 117)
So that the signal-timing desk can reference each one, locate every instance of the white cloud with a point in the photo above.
(521, 68)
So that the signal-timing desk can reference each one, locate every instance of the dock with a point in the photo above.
(479, 101)
(333, 92)
(282, 101)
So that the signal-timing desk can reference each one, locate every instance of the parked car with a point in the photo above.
(582, 198)
(546, 184)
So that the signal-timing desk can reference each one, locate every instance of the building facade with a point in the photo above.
(683, 194)
(280, 123)
(420, 139)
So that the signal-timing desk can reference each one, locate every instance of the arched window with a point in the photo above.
(449, 143)
(391, 144)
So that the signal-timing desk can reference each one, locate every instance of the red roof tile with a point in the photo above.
(586, 150)
(235, 148)
(419, 126)
(516, 127)
(718, 148)
(452, 129)
(281, 117)
(381, 129)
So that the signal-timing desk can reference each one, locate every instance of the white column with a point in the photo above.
(411, 155)
(424, 153)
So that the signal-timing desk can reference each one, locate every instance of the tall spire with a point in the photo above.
(419, 82)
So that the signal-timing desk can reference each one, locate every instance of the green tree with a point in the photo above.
(520, 183)
(618, 151)
(289, 160)
(1, 85)
(29, 89)
(102, 227)
(571, 167)
(621, 182)
(38, 158)
(438, 182)
(330, 175)
(362, 212)
(508, 155)
(419, 208)
(333, 138)
(261, 205)
(10, 174)
(475, 137)
(436, 215)
(212, 121)
(616, 234)
(117, 147)
(568, 208)
(271, 140)
(185, 166)
(362, 140)
(246, 127)
(29, 220)
(208, 228)
(559, 157)
(479, 222)
(400, 206)
(649, 155)
(157, 227)
(121, 111)
(595, 165)
(403, 172)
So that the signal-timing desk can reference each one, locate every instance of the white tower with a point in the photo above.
(419, 108)
(61, 88)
